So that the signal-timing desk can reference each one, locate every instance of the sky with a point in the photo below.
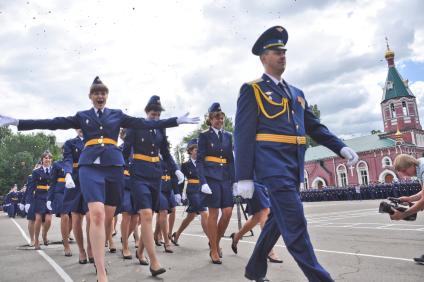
(193, 53)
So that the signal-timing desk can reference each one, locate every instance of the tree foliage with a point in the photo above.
(19, 153)
(309, 141)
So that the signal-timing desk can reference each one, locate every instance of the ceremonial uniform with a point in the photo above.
(57, 188)
(127, 204)
(271, 122)
(39, 186)
(28, 199)
(259, 200)
(73, 200)
(196, 199)
(169, 186)
(215, 164)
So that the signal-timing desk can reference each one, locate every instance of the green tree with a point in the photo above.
(180, 149)
(309, 141)
(19, 153)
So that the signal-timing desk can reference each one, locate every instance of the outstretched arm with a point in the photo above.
(51, 124)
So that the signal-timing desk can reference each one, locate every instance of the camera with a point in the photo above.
(395, 203)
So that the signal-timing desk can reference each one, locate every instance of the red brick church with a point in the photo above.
(402, 134)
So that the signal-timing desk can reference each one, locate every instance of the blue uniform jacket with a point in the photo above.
(93, 127)
(29, 194)
(190, 172)
(148, 143)
(209, 145)
(261, 159)
(71, 153)
(55, 186)
(168, 169)
(39, 177)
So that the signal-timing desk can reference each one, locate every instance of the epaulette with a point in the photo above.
(255, 81)
(206, 130)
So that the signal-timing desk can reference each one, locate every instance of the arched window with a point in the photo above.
(392, 110)
(404, 109)
(342, 176)
(386, 161)
(363, 174)
(305, 183)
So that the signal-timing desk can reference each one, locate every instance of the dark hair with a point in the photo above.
(213, 115)
(190, 148)
(98, 87)
(45, 154)
(154, 108)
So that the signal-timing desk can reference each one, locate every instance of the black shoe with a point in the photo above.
(157, 272)
(167, 249)
(126, 257)
(91, 260)
(274, 260)
(250, 277)
(233, 244)
(68, 254)
(112, 250)
(83, 261)
(46, 243)
(142, 261)
(215, 261)
(419, 260)
(173, 240)
(114, 234)
(157, 243)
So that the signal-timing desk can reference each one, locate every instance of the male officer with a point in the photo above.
(272, 120)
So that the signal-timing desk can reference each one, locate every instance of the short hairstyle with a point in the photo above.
(190, 148)
(404, 161)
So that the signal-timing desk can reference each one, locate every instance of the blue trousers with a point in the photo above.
(287, 219)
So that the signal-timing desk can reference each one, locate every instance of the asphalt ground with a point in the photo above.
(351, 239)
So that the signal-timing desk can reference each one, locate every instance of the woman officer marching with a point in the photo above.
(101, 162)
(215, 167)
(145, 174)
(196, 202)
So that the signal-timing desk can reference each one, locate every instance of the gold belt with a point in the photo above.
(96, 141)
(146, 158)
(126, 172)
(289, 139)
(61, 180)
(215, 160)
(75, 165)
(166, 177)
(43, 187)
(193, 181)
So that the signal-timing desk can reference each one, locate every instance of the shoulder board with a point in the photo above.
(255, 81)
(206, 130)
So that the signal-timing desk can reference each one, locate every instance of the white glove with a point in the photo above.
(188, 120)
(69, 182)
(180, 176)
(178, 199)
(206, 189)
(184, 197)
(6, 121)
(21, 206)
(350, 155)
(235, 190)
(27, 207)
(246, 188)
(49, 205)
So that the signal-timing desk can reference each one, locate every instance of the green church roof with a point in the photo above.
(395, 86)
(359, 144)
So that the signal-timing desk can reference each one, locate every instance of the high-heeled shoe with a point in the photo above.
(126, 257)
(218, 261)
(167, 249)
(112, 250)
(158, 243)
(274, 260)
(157, 272)
(141, 261)
(91, 260)
(173, 240)
(233, 243)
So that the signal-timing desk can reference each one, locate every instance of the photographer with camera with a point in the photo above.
(409, 166)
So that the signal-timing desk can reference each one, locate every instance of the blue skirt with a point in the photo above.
(259, 201)
(73, 201)
(222, 194)
(57, 204)
(40, 204)
(167, 201)
(145, 192)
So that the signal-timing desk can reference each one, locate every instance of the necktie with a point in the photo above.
(47, 171)
(99, 113)
(284, 90)
(220, 136)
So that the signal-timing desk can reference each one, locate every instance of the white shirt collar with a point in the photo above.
(46, 167)
(216, 130)
(193, 161)
(275, 80)
(95, 110)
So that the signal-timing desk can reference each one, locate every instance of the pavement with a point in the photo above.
(351, 240)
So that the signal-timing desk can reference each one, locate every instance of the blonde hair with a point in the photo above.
(213, 115)
(404, 161)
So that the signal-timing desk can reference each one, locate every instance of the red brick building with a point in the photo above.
(402, 134)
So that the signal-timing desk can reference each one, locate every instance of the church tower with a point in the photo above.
(399, 107)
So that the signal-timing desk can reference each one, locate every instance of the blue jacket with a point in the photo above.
(56, 186)
(107, 126)
(29, 194)
(209, 145)
(71, 153)
(148, 143)
(39, 177)
(261, 159)
(168, 170)
(190, 172)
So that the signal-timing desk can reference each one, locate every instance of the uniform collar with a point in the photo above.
(275, 80)
(216, 130)
(193, 161)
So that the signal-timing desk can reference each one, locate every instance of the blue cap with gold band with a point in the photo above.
(192, 142)
(154, 104)
(215, 107)
(274, 38)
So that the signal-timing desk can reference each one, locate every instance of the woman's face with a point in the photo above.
(193, 153)
(153, 115)
(47, 160)
(99, 98)
(218, 121)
